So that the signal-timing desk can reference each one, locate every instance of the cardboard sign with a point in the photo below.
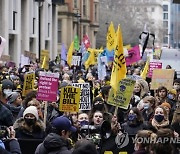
(76, 60)
(45, 53)
(28, 83)
(69, 100)
(29, 54)
(5, 58)
(154, 65)
(123, 95)
(85, 101)
(24, 61)
(162, 77)
(48, 86)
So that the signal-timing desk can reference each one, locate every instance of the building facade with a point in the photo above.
(28, 25)
(77, 17)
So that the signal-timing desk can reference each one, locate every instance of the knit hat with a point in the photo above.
(173, 91)
(165, 104)
(33, 110)
(7, 84)
(13, 97)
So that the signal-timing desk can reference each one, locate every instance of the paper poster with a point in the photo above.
(45, 53)
(28, 85)
(24, 61)
(48, 86)
(154, 65)
(162, 77)
(29, 54)
(69, 99)
(76, 61)
(123, 95)
(85, 101)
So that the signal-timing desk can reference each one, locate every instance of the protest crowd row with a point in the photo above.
(74, 107)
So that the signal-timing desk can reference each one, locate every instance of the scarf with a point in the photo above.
(157, 125)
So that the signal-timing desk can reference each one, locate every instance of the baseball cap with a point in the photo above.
(63, 123)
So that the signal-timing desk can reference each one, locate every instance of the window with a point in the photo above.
(84, 30)
(165, 15)
(59, 31)
(95, 12)
(14, 20)
(75, 3)
(165, 8)
(34, 20)
(165, 40)
(165, 24)
(152, 9)
(84, 8)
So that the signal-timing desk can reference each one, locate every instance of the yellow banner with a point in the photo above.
(110, 38)
(69, 100)
(28, 83)
(70, 53)
(123, 95)
(44, 53)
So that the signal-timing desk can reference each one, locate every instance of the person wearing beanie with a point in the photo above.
(14, 101)
(29, 126)
(57, 141)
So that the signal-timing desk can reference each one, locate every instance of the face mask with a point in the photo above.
(170, 96)
(30, 122)
(99, 107)
(146, 106)
(84, 122)
(7, 92)
(159, 117)
(131, 117)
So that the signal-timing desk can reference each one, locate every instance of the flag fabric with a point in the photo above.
(86, 41)
(44, 62)
(2, 44)
(63, 52)
(91, 58)
(85, 57)
(119, 64)
(76, 43)
(145, 70)
(70, 53)
(133, 55)
(110, 55)
(110, 38)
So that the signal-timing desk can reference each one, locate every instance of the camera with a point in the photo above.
(3, 132)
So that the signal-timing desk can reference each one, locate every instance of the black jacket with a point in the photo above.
(53, 144)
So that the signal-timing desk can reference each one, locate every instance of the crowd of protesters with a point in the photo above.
(151, 114)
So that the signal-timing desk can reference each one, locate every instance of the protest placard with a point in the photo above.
(48, 86)
(123, 95)
(5, 58)
(45, 54)
(154, 65)
(85, 101)
(76, 60)
(69, 100)
(29, 54)
(162, 77)
(28, 83)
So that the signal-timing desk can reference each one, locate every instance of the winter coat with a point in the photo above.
(23, 131)
(53, 144)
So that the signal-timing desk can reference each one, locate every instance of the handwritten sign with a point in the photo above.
(47, 86)
(76, 60)
(123, 95)
(28, 83)
(29, 54)
(162, 77)
(69, 100)
(85, 101)
(154, 65)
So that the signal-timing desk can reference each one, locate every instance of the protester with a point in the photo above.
(161, 95)
(57, 141)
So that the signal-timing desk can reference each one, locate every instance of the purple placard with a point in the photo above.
(152, 66)
(47, 86)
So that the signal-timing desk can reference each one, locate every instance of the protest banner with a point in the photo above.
(85, 101)
(69, 100)
(28, 83)
(123, 95)
(154, 65)
(48, 86)
(45, 53)
(162, 77)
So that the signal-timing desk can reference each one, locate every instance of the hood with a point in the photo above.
(20, 124)
(54, 141)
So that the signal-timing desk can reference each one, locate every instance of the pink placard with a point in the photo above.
(152, 66)
(47, 86)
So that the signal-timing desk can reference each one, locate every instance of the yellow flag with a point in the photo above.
(145, 70)
(110, 38)
(44, 62)
(70, 53)
(119, 64)
(91, 59)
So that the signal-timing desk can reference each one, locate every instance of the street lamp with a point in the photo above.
(78, 16)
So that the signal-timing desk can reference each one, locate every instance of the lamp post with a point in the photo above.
(78, 16)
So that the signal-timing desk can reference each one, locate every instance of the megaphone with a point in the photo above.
(105, 130)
